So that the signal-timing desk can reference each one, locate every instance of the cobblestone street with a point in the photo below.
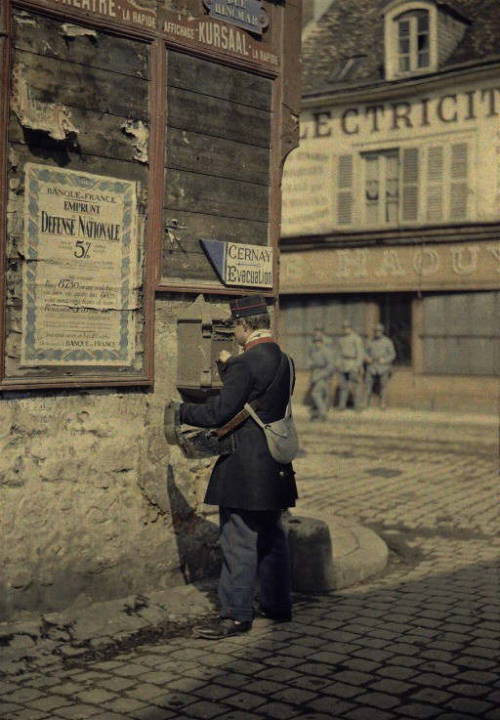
(421, 641)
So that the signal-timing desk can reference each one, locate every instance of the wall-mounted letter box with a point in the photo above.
(203, 331)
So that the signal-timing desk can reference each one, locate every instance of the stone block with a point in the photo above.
(311, 554)
(329, 553)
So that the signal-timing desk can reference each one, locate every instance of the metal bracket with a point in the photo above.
(170, 228)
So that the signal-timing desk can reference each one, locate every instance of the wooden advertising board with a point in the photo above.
(77, 281)
(175, 118)
(217, 165)
(239, 33)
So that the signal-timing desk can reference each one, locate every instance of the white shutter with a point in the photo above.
(410, 184)
(459, 166)
(435, 166)
(345, 177)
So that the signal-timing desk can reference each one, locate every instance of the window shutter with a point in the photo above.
(345, 176)
(458, 185)
(435, 160)
(410, 184)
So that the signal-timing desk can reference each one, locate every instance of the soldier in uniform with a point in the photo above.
(321, 367)
(351, 354)
(380, 354)
(249, 486)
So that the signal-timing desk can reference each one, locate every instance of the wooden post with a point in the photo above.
(417, 331)
(372, 317)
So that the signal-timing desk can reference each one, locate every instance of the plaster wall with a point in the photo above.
(459, 111)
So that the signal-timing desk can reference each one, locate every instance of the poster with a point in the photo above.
(307, 193)
(80, 269)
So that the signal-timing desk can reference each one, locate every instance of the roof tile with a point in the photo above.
(353, 30)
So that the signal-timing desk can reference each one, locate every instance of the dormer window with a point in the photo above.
(413, 41)
(411, 37)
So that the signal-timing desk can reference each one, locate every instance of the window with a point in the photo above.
(428, 184)
(395, 316)
(301, 314)
(391, 186)
(461, 333)
(413, 41)
(382, 187)
(410, 37)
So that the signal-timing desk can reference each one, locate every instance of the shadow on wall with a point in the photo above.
(196, 537)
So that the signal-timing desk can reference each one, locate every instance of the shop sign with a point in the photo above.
(449, 110)
(242, 265)
(206, 32)
(247, 14)
(450, 266)
(141, 13)
(209, 34)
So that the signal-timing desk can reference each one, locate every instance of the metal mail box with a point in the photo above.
(203, 331)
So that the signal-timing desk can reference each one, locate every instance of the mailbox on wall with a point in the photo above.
(203, 331)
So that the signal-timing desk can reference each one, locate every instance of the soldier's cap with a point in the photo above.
(248, 305)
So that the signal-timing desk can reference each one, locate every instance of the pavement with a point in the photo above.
(419, 640)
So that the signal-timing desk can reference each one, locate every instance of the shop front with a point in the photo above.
(439, 304)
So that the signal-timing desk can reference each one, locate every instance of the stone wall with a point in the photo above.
(95, 504)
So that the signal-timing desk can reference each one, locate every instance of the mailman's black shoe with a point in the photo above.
(222, 628)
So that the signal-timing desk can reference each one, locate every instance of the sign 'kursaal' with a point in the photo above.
(239, 264)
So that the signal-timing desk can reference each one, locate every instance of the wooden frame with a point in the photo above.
(173, 284)
(73, 376)
(5, 35)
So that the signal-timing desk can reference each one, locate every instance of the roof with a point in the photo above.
(346, 48)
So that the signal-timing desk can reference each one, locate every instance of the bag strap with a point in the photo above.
(272, 383)
(249, 410)
(231, 424)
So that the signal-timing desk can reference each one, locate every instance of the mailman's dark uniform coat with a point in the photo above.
(249, 479)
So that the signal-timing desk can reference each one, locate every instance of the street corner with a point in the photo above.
(332, 553)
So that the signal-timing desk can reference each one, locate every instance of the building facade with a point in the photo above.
(391, 205)
(141, 148)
